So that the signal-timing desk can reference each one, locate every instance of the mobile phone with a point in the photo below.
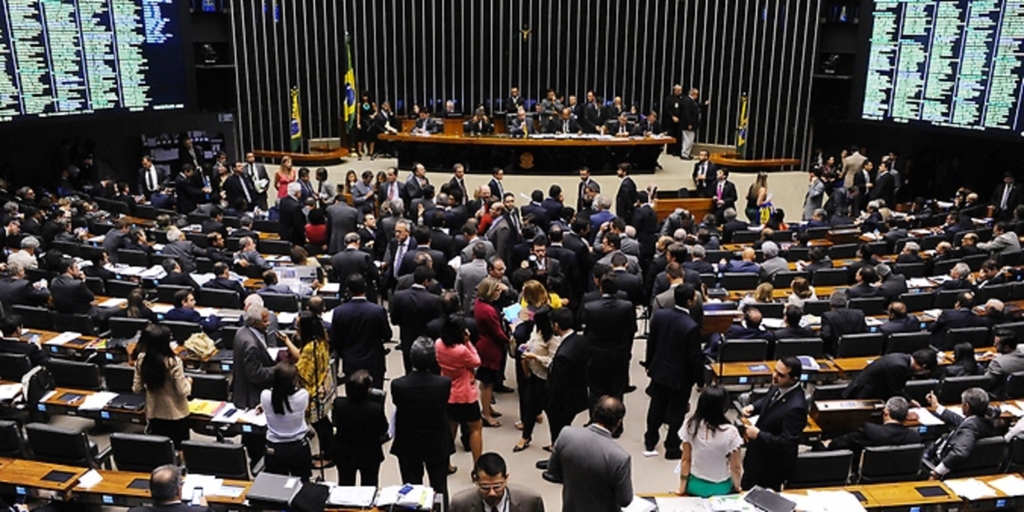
(197, 496)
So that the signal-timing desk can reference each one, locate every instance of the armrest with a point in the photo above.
(103, 458)
(259, 466)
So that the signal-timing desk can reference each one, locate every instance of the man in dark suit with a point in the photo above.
(610, 326)
(514, 101)
(704, 174)
(360, 344)
(15, 289)
(723, 193)
(672, 113)
(150, 179)
(492, 491)
(962, 315)
(899, 320)
(353, 261)
(215, 224)
(412, 309)
(253, 372)
(478, 125)
(888, 375)
(772, 441)
(292, 220)
(840, 320)
(189, 192)
(343, 219)
(71, 296)
(239, 186)
(586, 182)
(594, 115)
(674, 364)
(989, 275)
(565, 124)
(497, 190)
(792, 330)
(395, 253)
(1005, 197)
(890, 286)
(866, 278)
(884, 187)
(222, 281)
(968, 427)
(422, 433)
(890, 433)
(165, 483)
(458, 182)
(625, 198)
(554, 203)
(536, 208)
(691, 119)
(422, 236)
(631, 284)
(619, 126)
(11, 327)
(568, 373)
(648, 126)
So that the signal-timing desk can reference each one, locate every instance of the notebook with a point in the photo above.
(274, 489)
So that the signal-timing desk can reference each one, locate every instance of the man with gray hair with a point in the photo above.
(773, 263)
(183, 250)
(697, 262)
(974, 424)
(890, 433)
(342, 219)
(27, 255)
(15, 289)
(731, 225)
(165, 484)
(840, 320)
(249, 258)
(292, 219)
(603, 214)
(253, 372)
(958, 278)
(351, 261)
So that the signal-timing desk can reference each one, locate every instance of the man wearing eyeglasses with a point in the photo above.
(493, 493)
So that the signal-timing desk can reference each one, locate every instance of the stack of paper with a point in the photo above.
(97, 401)
(1010, 485)
(202, 279)
(918, 282)
(9, 391)
(925, 417)
(420, 496)
(772, 323)
(64, 337)
(871, 321)
(361, 497)
(1011, 409)
(730, 503)
(254, 416)
(154, 272)
(934, 313)
(682, 504)
(90, 479)
(208, 483)
(970, 488)
(161, 309)
(825, 501)
(227, 414)
(639, 505)
(330, 288)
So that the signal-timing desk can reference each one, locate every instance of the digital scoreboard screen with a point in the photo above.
(72, 57)
(949, 63)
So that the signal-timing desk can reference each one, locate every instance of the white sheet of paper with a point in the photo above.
(925, 417)
(64, 337)
(682, 504)
(352, 496)
(970, 488)
(97, 401)
(9, 391)
(639, 505)
(89, 479)
(1010, 485)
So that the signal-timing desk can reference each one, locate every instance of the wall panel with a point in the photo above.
(473, 51)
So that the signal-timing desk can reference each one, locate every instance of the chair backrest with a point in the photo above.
(12, 440)
(975, 261)
(123, 327)
(943, 267)
(813, 347)
(818, 233)
(716, 256)
(946, 299)
(917, 301)
(907, 342)
(133, 258)
(784, 279)
(794, 254)
(860, 345)
(119, 377)
(891, 463)
(77, 323)
(200, 239)
(34, 317)
(120, 289)
(783, 236)
(918, 389)
(842, 251)
(96, 285)
(266, 225)
(745, 236)
(818, 469)
(830, 277)
(951, 388)
(743, 350)
(815, 307)
(210, 386)
(909, 270)
(769, 309)
(828, 392)
(217, 459)
(141, 452)
(740, 281)
(165, 292)
(68, 248)
(145, 211)
(709, 280)
(58, 445)
(1017, 328)
(1014, 386)
(14, 366)
(1010, 259)
(721, 306)
(1015, 464)
(227, 336)
(1003, 292)
(281, 302)
(214, 298)
(869, 305)
(985, 459)
(282, 247)
(181, 330)
(76, 374)
(976, 336)
(930, 242)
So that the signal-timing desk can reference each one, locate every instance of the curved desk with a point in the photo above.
(564, 155)
(733, 162)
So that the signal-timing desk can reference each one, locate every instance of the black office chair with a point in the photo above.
(951, 388)
(34, 317)
(165, 292)
(742, 351)
(281, 302)
(907, 342)
(918, 389)
(282, 247)
(821, 469)
(745, 236)
(978, 337)
(860, 345)
(709, 280)
(975, 261)
(785, 278)
(813, 347)
(200, 239)
(891, 463)
(12, 441)
(204, 265)
(1010, 259)
(917, 302)
(124, 328)
(1017, 328)
(942, 268)
(1014, 388)
(869, 305)
(133, 258)
(946, 299)
(769, 309)
(1015, 462)
(75, 374)
(816, 307)
(77, 323)
(181, 330)
(217, 459)
(58, 445)
(210, 386)
(828, 392)
(985, 459)
(931, 242)
(120, 289)
(14, 366)
(227, 336)
(266, 226)
(909, 270)
(141, 452)
(818, 233)
(830, 277)
(119, 377)
(721, 306)
(214, 298)
(68, 248)
(717, 256)
(145, 211)
(843, 251)
(1003, 292)
(96, 285)
(740, 281)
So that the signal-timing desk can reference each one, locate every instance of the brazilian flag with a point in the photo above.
(741, 129)
(349, 111)
(295, 125)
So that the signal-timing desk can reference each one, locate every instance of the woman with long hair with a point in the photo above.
(532, 297)
(137, 307)
(458, 359)
(537, 355)
(802, 291)
(161, 376)
(711, 463)
(284, 175)
(311, 351)
(285, 407)
(364, 126)
(351, 178)
(757, 196)
(964, 363)
(491, 341)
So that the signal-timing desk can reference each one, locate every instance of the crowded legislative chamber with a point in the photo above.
(711, 255)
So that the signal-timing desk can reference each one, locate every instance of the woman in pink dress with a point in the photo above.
(285, 175)
(459, 361)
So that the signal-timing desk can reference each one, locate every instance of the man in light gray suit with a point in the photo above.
(343, 220)
(595, 472)
(493, 492)
(469, 276)
(254, 372)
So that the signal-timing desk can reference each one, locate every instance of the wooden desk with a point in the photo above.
(761, 372)
(114, 490)
(18, 476)
(844, 415)
(698, 206)
(734, 162)
(999, 501)
(902, 496)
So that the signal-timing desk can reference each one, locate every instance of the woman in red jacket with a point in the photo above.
(491, 342)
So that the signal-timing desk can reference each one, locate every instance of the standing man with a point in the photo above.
(458, 182)
(239, 186)
(585, 183)
(353, 261)
(253, 372)
(514, 102)
(412, 309)
(497, 190)
(395, 253)
(1005, 198)
(292, 220)
(360, 344)
(595, 472)
(260, 179)
(610, 324)
(674, 364)
(704, 173)
(151, 179)
(672, 113)
(772, 441)
(593, 115)
(392, 189)
(625, 199)
(690, 121)
(723, 193)
(567, 373)
(343, 219)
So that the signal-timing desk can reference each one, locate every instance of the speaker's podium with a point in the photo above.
(669, 200)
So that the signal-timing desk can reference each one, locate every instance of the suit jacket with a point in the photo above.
(797, 332)
(353, 261)
(593, 116)
(674, 357)
(873, 434)
(254, 369)
(568, 373)
(292, 220)
(20, 291)
(497, 189)
(839, 322)
(596, 472)
(708, 170)
(520, 499)
(422, 432)
(36, 355)
(540, 215)
(625, 199)
(909, 324)
(610, 327)
(343, 220)
(360, 344)
(359, 427)
(892, 287)
(1002, 244)
(469, 276)
(645, 126)
(229, 284)
(861, 290)
(771, 457)
(144, 187)
(883, 379)
(557, 125)
(189, 193)
(391, 254)
(731, 227)
(1011, 201)
(71, 296)
(411, 309)
(477, 128)
(957, 446)
(235, 188)
(631, 284)
(951, 319)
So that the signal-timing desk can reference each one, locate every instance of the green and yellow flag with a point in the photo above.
(295, 125)
(349, 109)
(741, 129)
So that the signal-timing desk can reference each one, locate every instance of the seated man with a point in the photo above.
(271, 284)
(866, 278)
(951, 450)
(223, 281)
(792, 330)
(175, 276)
(962, 315)
(745, 264)
(493, 490)
(165, 490)
(749, 328)
(899, 320)
(840, 320)
(958, 278)
(184, 310)
(888, 375)
(910, 253)
(71, 296)
(12, 344)
(890, 432)
(15, 289)
(248, 259)
(1008, 361)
